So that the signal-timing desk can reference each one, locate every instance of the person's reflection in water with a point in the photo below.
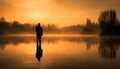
(39, 33)
(39, 52)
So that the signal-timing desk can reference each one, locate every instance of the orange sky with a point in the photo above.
(61, 12)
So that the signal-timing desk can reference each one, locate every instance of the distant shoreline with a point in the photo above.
(61, 35)
(47, 35)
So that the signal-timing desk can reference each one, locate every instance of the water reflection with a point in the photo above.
(15, 40)
(59, 52)
(109, 47)
(39, 52)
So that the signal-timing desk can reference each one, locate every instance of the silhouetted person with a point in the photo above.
(39, 33)
(39, 52)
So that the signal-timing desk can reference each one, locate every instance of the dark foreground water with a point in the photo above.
(66, 52)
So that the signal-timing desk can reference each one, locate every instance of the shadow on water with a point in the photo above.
(108, 47)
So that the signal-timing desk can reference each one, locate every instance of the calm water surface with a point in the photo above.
(66, 52)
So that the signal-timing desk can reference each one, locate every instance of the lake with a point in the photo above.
(60, 52)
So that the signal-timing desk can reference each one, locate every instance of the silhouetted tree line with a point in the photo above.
(109, 23)
(91, 28)
(51, 28)
(14, 27)
(72, 29)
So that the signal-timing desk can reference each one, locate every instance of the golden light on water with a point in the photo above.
(59, 47)
(20, 49)
(20, 52)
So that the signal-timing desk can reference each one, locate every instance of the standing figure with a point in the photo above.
(39, 33)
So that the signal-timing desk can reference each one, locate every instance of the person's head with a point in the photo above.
(38, 24)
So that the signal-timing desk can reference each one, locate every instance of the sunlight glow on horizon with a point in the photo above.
(60, 12)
